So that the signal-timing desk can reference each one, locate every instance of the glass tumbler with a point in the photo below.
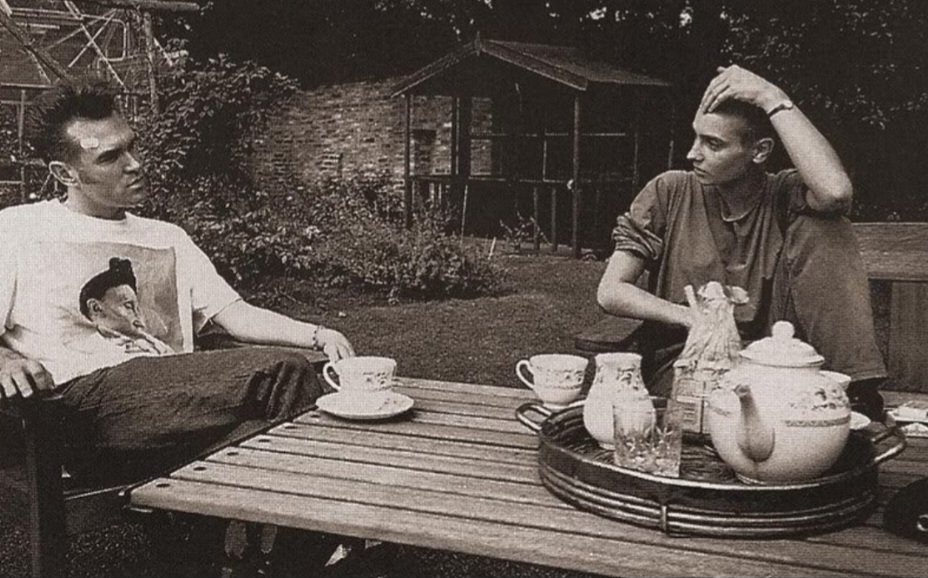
(649, 439)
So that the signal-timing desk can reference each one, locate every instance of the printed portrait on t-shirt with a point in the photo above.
(110, 301)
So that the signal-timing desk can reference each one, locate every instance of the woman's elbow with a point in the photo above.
(602, 297)
(843, 196)
(837, 198)
(609, 297)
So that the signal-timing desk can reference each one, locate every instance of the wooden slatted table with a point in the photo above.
(460, 474)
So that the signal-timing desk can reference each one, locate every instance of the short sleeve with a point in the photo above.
(792, 192)
(640, 230)
(209, 292)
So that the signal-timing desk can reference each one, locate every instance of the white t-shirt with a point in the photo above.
(49, 256)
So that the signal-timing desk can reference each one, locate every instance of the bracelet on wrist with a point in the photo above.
(316, 343)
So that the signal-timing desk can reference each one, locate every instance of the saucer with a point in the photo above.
(859, 420)
(366, 406)
(910, 412)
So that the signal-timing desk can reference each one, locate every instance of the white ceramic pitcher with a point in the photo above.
(617, 385)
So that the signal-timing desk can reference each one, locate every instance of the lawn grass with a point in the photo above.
(550, 299)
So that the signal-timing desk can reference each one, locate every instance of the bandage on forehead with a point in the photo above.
(89, 143)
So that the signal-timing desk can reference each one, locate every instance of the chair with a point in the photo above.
(57, 511)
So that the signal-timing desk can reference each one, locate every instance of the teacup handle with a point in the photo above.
(521, 366)
(325, 374)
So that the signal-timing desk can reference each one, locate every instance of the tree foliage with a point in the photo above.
(321, 41)
(856, 67)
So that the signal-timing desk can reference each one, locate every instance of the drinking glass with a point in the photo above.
(649, 439)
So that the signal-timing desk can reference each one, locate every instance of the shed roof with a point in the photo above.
(565, 65)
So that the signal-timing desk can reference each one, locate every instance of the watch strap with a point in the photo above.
(785, 105)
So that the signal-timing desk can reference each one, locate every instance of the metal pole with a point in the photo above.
(146, 5)
(407, 176)
(635, 169)
(673, 120)
(33, 48)
(554, 218)
(454, 137)
(464, 212)
(150, 57)
(575, 177)
(536, 236)
(20, 130)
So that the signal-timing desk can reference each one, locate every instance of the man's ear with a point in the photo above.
(763, 148)
(94, 306)
(63, 173)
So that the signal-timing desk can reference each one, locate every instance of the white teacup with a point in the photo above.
(360, 374)
(555, 377)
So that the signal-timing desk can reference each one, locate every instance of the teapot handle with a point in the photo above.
(892, 451)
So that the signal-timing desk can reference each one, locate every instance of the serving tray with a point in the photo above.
(707, 498)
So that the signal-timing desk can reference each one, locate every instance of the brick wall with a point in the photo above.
(357, 128)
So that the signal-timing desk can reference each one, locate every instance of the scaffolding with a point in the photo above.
(45, 41)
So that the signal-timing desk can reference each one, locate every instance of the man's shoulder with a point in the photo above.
(157, 226)
(25, 216)
(14, 211)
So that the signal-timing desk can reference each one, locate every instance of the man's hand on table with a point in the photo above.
(334, 344)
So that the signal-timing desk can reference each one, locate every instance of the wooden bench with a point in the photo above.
(896, 257)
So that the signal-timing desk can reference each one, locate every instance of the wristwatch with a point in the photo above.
(784, 105)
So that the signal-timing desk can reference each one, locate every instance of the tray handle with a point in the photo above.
(523, 411)
(894, 450)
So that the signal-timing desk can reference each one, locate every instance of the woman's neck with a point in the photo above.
(740, 196)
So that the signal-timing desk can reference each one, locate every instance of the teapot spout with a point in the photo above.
(755, 438)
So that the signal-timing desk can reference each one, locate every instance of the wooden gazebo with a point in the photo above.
(549, 104)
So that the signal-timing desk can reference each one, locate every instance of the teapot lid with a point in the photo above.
(782, 349)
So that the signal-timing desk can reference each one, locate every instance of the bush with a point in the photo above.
(361, 241)
(250, 240)
(337, 234)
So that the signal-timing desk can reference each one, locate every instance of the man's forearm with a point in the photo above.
(256, 325)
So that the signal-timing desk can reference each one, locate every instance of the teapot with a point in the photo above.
(776, 417)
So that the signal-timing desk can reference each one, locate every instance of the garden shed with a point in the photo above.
(570, 135)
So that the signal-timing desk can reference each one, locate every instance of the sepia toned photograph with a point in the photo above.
(463, 288)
